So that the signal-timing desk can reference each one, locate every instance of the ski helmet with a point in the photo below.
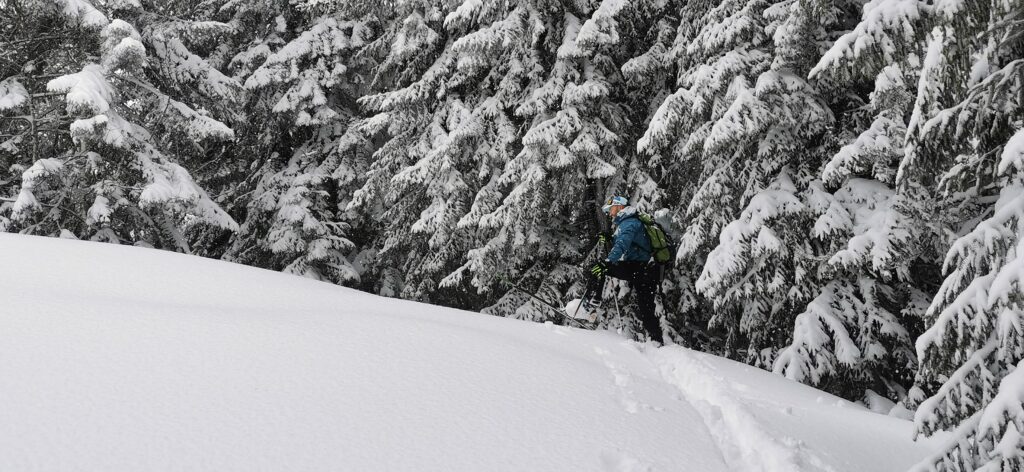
(612, 201)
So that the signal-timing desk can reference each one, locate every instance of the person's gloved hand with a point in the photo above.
(599, 269)
(603, 238)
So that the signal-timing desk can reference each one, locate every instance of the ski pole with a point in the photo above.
(618, 315)
(582, 300)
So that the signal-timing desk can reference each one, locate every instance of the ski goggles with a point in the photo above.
(607, 207)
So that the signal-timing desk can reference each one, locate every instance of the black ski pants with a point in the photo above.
(643, 278)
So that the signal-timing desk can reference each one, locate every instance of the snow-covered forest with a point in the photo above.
(845, 178)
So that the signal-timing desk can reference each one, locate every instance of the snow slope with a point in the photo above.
(117, 358)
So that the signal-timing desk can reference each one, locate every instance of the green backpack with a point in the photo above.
(663, 248)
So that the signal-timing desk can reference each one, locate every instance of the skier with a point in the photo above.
(629, 259)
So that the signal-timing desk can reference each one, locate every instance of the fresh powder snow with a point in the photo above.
(122, 358)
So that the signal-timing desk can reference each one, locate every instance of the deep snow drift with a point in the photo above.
(119, 358)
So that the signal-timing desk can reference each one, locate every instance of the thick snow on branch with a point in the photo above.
(746, 117)
(487, 46)
(169, 184)
(86, 90)
(184, 67)
(467, 12)
(1002, 421)
(569, 49)
(326, 38)
(882, 142)
(885, 25)
(26, 200)
(969, 304)
(877, 226)
(929, 86)
(992, 235)
(709, 82)
(735, 24)
(12, 93)
(820, 339)
(199, 125)
(601, 28)
(99, 212)
(122, 46)
(665, 120)
(84, 12)
(739, 240)
(964, 394)
(1013, 151)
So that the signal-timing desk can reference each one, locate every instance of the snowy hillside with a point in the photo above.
(121, 358)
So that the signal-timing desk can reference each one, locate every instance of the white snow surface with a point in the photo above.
(119, 358)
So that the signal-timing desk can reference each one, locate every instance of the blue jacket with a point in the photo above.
(631, 241)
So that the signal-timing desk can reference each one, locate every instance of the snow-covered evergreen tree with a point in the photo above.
(850, 338)
(120, 177)
(438, 127)
(308, 71)
(561, 152)
(752, 136)
(24, 134)
(967, 127)
(957, 158)
(570, 160)
(738, 116)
